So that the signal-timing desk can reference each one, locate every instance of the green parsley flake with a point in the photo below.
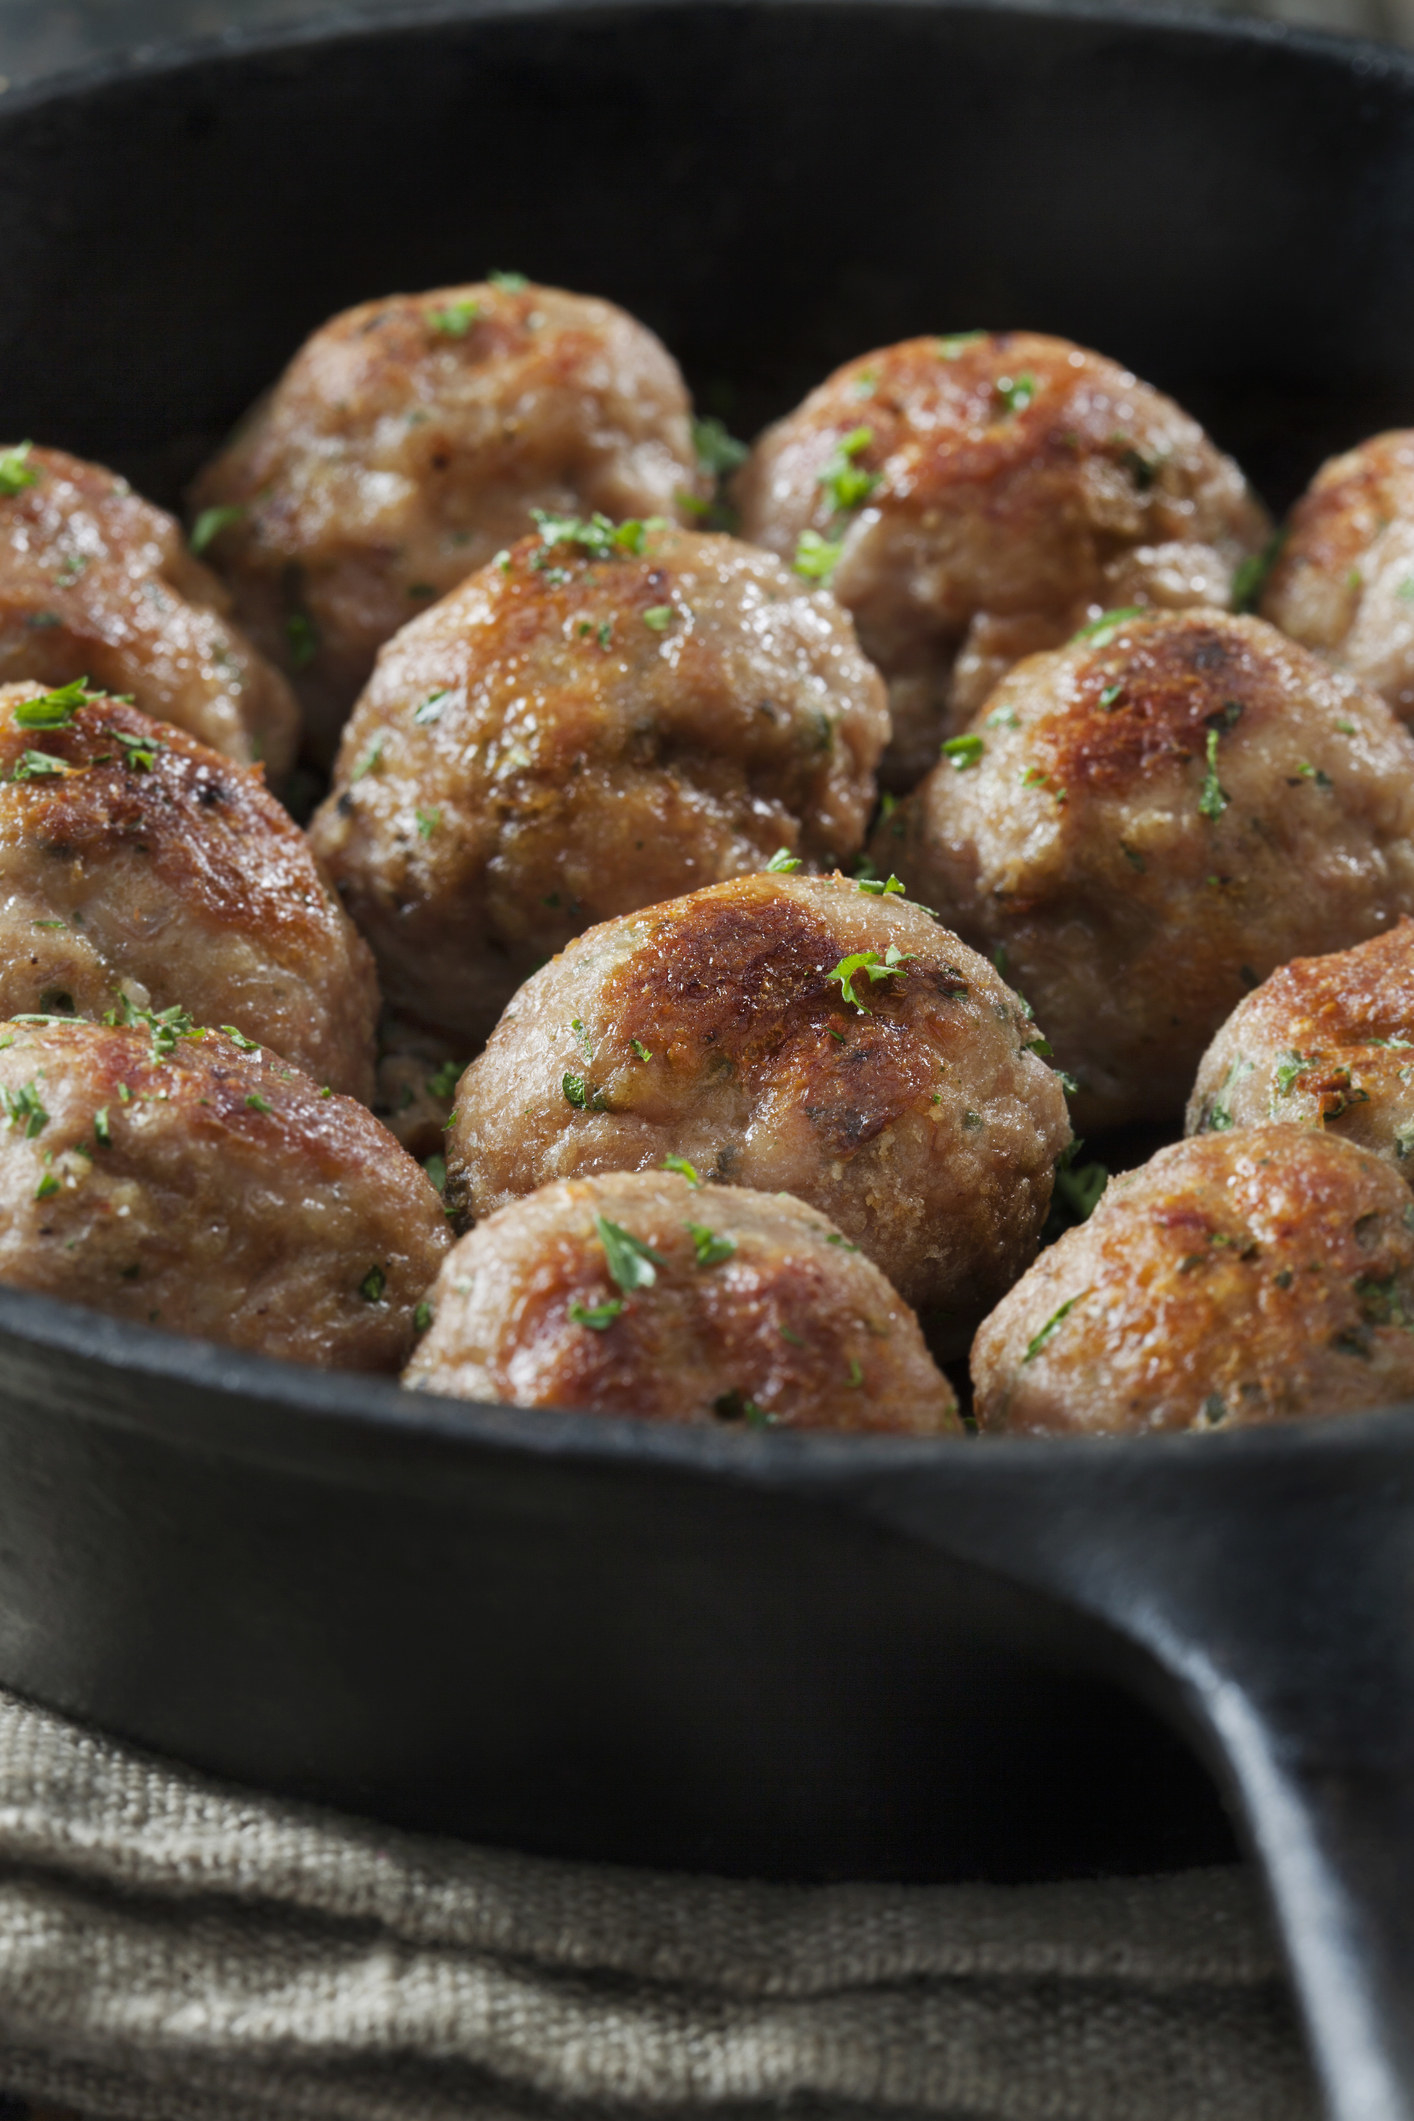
(211, 522)
(963, 751)
(854, 1376)
(1034, 777)
(102, 1128)
(48, 1186)
(507, 283)
(599, 537)
(1309, 772)
(139, 752)
(880, 887)
(1214, 798)
(24, 1110)
(422, 1317)
(238, 1038)
(436, 1169)
(1079, 1186)
(953, 347)
(577, 1092)
(164, 1026)
(456, 320)
(595, 1316)
(586, 1042)
(836, 1237)
(1288, 1071)
(632, 1263)
(38, 766)
(257, 1103)
(1063, 1311)
(427, 822)
(1249, 577)
(888, 967)
(1110, 697)
(782, 863)
(55, 710)
(1218, 1118)
(683, 1168)
(369, 760)
(717, 451)
(371, 1288)
(433, 707)
(303, 638)
(847, 483)
(815, 557)
(711, 1249)
(443, 1084)
(640, 1049)
(1003, 718)
(1015, 392)
(1101, 631)
(659, 616)
(16, 471)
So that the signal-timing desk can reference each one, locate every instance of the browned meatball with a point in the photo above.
(1144, 823)
(599, 721)
(97, 584)
(180, 1178)
(642, 1293)
(138, 866)
(1256, 1276)
(987, 493)
(803, 1034)
(408, 440)
(1325, 1042)
(1344, 580)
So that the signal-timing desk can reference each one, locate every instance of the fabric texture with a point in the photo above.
(175, 1950)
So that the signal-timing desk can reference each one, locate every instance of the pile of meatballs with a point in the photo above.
(686, 997)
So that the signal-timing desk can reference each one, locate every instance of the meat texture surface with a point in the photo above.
(1343, 582)
(1325, 1042)
(982, 496)
(643, 1293)
(1261, 1275)
(96, 583)
(604, 719)
(1146, 823)
(409, 439)
(808, 1035)
(139, 867)
(177, 1178)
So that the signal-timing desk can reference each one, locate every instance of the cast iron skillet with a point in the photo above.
(793, 1655)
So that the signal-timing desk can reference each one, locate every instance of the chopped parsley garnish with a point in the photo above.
(238, 1038)
(659, 617)
(1288, 1070)
(854, 1375)
(1309, 772)
(889, 966)
(1109, 698)
(1039, 1046)
(211, 522)
(579, 1093)
(847, 483)
(371, 1288)
(782, 863)
(1015, 392)
(436, 1168)
(433, 707)
(836, 1237)
(1079, 1186)
(963, 751)
(1214, 798)
(640, 1049)
(1249, 577)
(16, 471)
(880, 887)
(24, 1110)
(632, 1263)
(369, 760)
(683, 1168)
(1103, 629)
(38, 766)
(605, 633)
(816, 557)
(586, 1042)
(595, 1316)
(303, 639)
(1035, 777)
(422, 1317)
(1003, 718)
(102, 1129)
(1038, 1340)
(1218, 1118)
(717, 451)
(599, 537)
(257, 1103)
(443, 1084)
(507, 283)
(951, 348)
(711, 1249)
(48, 1186)
(427, 822)
(139, 752)
(55, 710)
(456, 320)
(164, 1026)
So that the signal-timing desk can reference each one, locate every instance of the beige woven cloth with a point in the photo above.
(175, 1950)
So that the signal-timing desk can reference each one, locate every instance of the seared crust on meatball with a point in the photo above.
(990, 492)
(138, 866)
(1150, 820)
(1261, 1275)
(409, 439)
(1325, 1042)
(96, 583)
(640, 1293)
(743, 1028)
(1343, 582)
(187, 1181)
(598, 722)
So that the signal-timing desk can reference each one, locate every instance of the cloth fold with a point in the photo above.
(176, 1950)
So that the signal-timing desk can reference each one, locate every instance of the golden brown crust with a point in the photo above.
(1343, 582)
(96, 583)
(135, 860)
(1261, 1275)
(1021, 484)
(716, 1027)
(572, 735)
(1325, 1042)
(758, 1313)
(187, 1182)
(1137, 885)
(409, 439)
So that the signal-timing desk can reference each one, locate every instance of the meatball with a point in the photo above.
(97, 584)
(138, 867)
(603, 719)
(1261, 1275)
(984, 495)
(646, 1293)
(1141, 825)
(182, 1178)
(809, 1035)
(1325, 1042)
(411, 437)
(1343, 581)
